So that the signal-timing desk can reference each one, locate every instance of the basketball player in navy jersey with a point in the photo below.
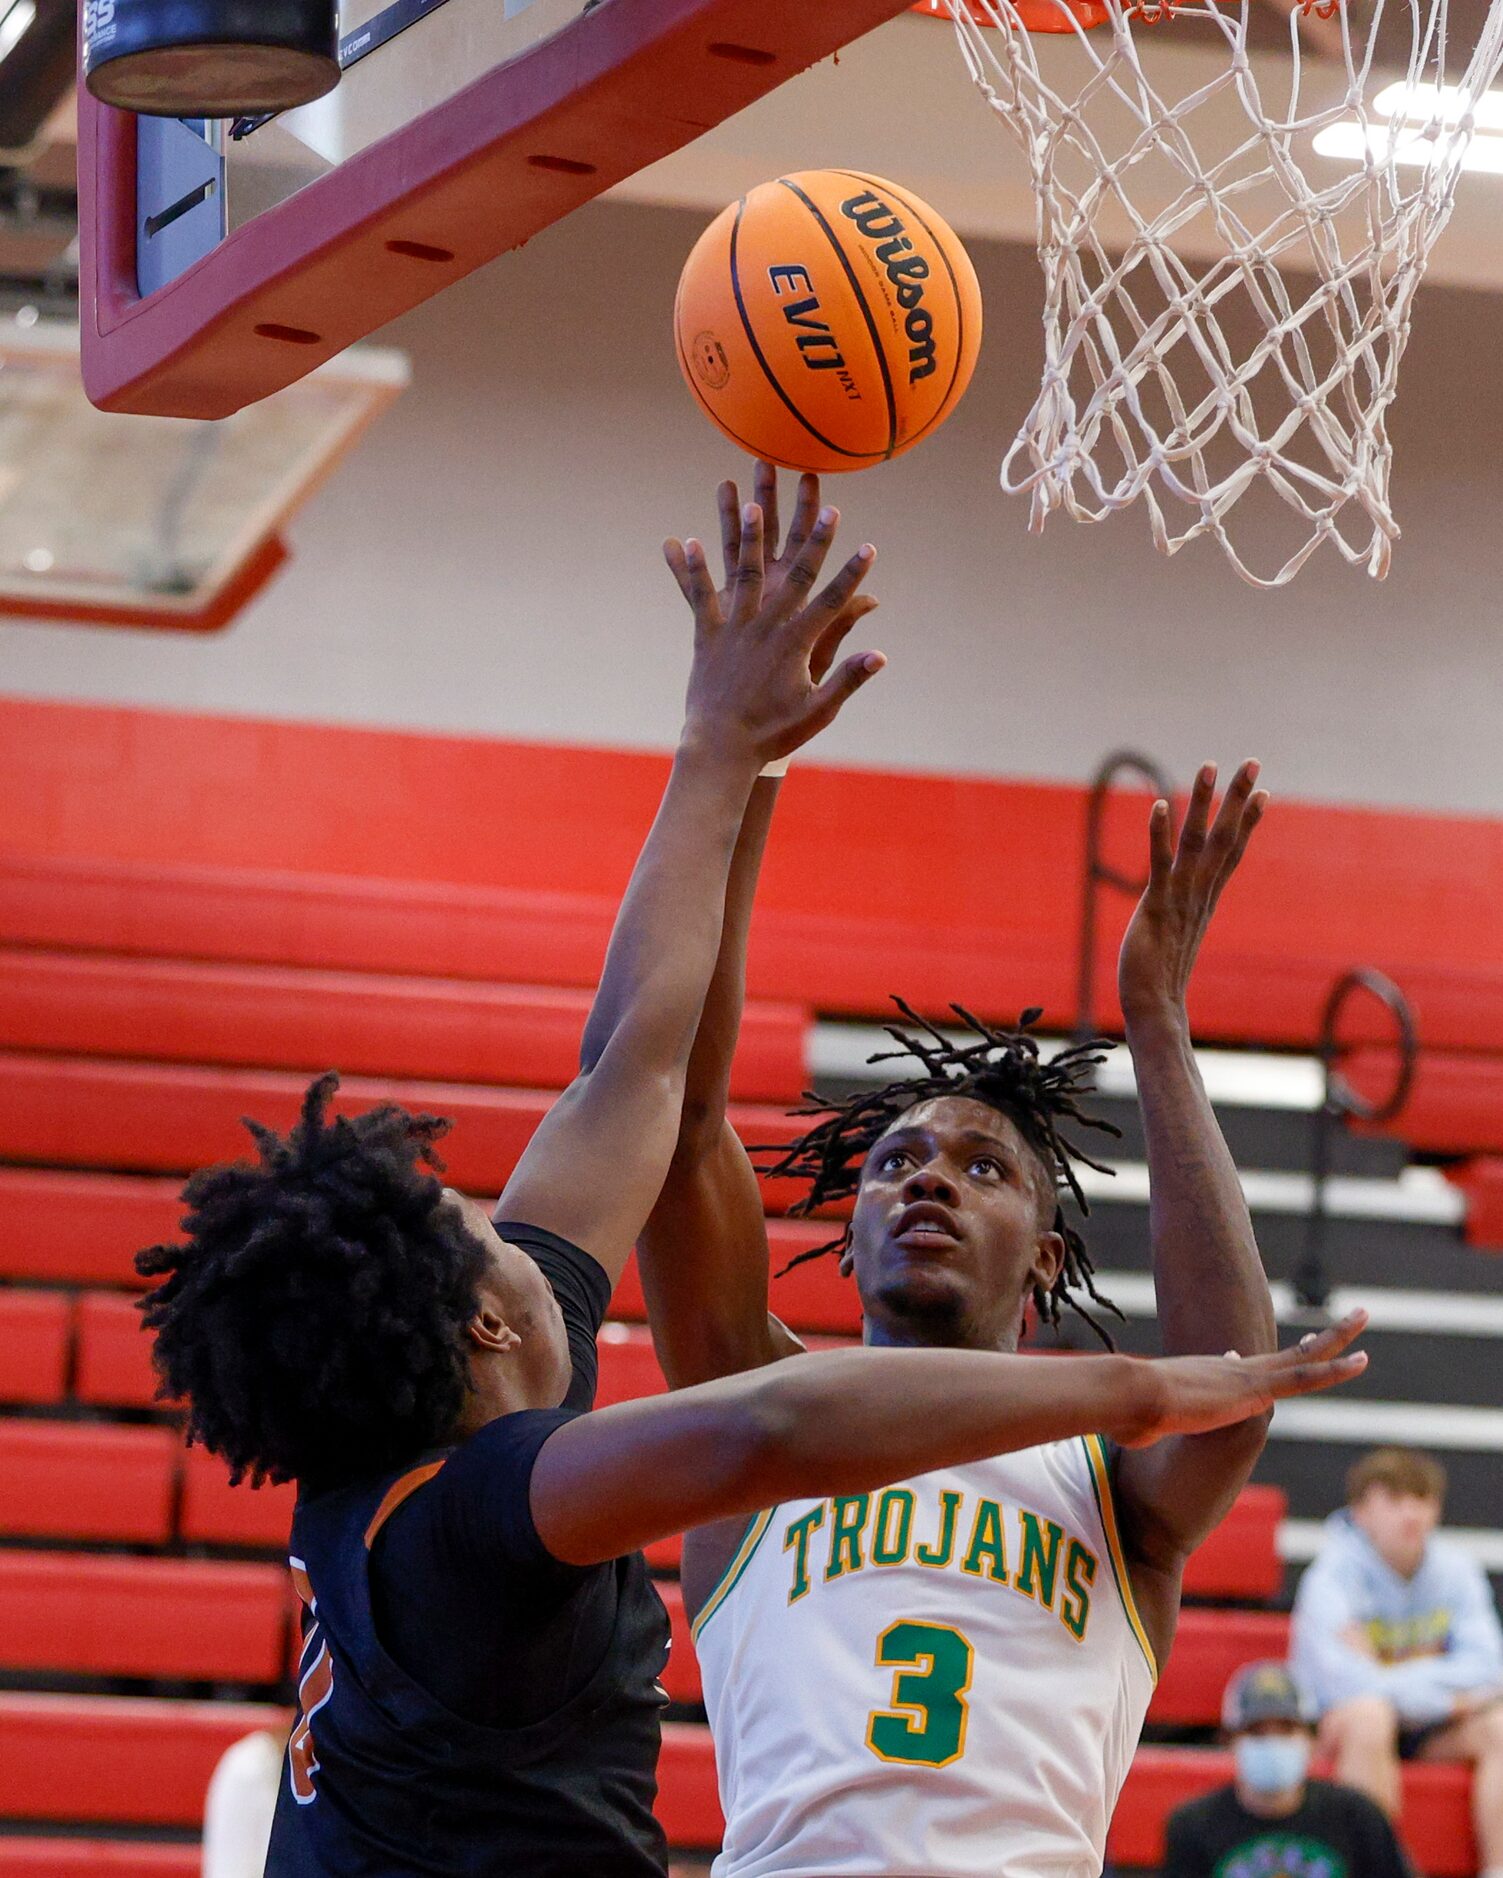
(478, 1690)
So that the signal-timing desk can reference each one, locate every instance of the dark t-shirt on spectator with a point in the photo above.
(1336, 1833)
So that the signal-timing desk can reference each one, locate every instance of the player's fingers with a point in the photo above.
(1310, 1378)
(1252, 814)
(1318, 1345)
(678, 566)
(748, 582)
(829, 642)
(805, 510)
(1160, 845)
(801, 573)
(842, 683)
(1192, 837)
(728, 504)
(836, 595)
(1229, 816)
(699, 588)
(765, 495)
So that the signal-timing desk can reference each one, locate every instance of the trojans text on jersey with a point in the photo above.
(1005, 1545)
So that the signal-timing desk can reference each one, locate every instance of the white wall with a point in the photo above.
(488, 561)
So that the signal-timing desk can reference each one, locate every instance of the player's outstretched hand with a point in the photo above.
(1194, 1394)
(1184, 884)
(762, 648)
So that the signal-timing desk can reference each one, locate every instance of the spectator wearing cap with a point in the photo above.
(1274, 1818)
(1397, 1643)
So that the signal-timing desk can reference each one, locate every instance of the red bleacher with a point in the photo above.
(173, 1010)
(116, 1759)
(61, 1480)
(34, 1339)
(150, 1618)
(173, 957)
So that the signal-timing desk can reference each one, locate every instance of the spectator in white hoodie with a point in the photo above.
(1397, 1643)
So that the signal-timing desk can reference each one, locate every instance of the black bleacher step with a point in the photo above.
(1401, 1253)
(1277, 1139)
(1313, 1474)
(1403, 1365)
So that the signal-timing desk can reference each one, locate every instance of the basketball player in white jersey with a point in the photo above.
(949, 1677)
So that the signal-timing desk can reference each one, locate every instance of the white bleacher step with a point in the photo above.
(1257, 1079)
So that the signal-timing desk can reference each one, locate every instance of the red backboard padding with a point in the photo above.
(96, 1858)
(172, 1010)
(852, 857)
(80, 1480)
(508, 154)
(123, 1761)
(35, 1331)
(142, 1617)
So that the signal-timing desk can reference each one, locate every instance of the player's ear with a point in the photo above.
(847, 1255)
(1048, 1260)
(488, 1330)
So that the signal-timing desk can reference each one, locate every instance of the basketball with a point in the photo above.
(828, 320)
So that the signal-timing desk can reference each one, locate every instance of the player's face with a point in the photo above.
(949, 1233)
(520, 1299)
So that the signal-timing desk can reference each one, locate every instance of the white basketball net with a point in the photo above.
(1270, 361)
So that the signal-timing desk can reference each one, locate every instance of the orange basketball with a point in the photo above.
(828, 320)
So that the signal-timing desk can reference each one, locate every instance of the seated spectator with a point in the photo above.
(1274, 1818)
(1397, 1643)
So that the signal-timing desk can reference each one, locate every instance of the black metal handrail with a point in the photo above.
(1098, 874)
(1340, 1104)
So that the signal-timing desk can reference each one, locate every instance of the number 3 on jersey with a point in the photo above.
(932, 1671)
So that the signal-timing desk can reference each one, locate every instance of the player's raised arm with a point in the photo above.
(703, 1253)
(596, 1164)
(1212, 1292)
(853, 1420)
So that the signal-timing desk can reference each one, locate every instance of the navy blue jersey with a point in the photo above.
(468, 1705)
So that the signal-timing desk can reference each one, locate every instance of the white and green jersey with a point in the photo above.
(941, 1680)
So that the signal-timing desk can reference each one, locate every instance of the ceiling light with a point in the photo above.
(1386, 143)
(1428, 104)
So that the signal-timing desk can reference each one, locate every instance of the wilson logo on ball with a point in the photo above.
(906, 270)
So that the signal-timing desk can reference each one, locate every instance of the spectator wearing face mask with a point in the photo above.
(1274, 1818)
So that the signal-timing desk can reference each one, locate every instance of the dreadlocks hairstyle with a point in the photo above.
(1002, 1068)
(313, 1318)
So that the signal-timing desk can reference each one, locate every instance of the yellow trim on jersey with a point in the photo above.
(750, 1540)
(1101, 1486)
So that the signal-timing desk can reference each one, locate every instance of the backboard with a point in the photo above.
(220, 263)
(138, 521)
